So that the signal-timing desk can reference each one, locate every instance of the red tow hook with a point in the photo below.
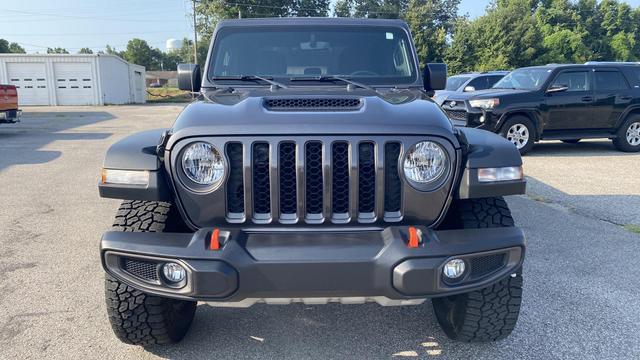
(414, 237)
(214, 243)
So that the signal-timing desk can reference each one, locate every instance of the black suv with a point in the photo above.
(314, 169)
(557, 102)
(468, 82)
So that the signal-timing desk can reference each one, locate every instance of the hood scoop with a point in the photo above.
(313, 103)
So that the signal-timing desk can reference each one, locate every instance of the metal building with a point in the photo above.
(61, 79)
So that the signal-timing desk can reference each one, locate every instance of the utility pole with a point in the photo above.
(195, 35)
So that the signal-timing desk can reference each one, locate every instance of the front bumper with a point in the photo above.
(289, 264)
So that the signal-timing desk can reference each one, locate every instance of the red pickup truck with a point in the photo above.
(9, 112)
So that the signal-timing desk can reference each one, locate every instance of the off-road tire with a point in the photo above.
(491, 313)
(524, 121)
(138, 318)
(621, 143)
(571, 141)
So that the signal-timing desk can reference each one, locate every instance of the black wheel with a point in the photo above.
(520, 131)
(138, 318)
(628, 139)
(491, 313)
(571, 141)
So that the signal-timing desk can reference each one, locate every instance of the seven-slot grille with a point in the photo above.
(313, 181)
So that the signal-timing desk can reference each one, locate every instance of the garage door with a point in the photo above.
(31, 82)
(74, 84)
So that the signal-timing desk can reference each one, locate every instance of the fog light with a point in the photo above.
(453, 269)
(173, 272)
(482, 119)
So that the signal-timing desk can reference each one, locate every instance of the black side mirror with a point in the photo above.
(189, 77)
(435, 77)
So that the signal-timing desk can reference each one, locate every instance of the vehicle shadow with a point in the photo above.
(21, 143)
(585, 148)
(299, 331)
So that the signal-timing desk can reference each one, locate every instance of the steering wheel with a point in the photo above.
(364, 73)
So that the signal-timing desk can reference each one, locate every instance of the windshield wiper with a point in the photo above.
(251, 78)
(333, 78)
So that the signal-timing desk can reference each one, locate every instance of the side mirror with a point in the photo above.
(557, 89)
(189, 77)
(435, 77)
(469, 89)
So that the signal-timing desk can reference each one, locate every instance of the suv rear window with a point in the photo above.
(610, 80)
(574, 80)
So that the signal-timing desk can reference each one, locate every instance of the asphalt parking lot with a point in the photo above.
(581, 297)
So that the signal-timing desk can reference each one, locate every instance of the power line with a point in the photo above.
(95, 34)
(78, 17)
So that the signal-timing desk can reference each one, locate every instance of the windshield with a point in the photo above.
(371, 55)
(524, 79)
(454, 82)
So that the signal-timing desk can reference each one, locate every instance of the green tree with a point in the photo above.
(57, 50)
(85, 50)
(15, 48)
(4, 46)
(139, 52)
(431, 23)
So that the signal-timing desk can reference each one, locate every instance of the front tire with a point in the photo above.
(138, 318)
(491, 313)
(628, 139)
(519, 130)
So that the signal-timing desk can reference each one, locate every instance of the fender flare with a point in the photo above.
(632, 109)
(487, 150)
(137, 152)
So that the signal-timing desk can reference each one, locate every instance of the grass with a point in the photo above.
(167, 94)
(633, 228)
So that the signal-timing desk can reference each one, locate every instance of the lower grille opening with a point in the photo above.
(485, 265)
(145, 270)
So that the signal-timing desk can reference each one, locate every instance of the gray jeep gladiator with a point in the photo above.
(312, 168)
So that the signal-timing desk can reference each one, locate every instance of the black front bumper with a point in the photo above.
(313, 263)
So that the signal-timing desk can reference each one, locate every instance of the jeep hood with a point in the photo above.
(244, 112)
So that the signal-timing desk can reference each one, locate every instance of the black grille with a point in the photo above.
(366, 178)
(235, 184)
(392, 184)
(311, 104)
(145, 270)
(313, 178)
(341, 188)
(484, 265)
(287, 167)
(340, 180)
(261, 195)
(457, 114)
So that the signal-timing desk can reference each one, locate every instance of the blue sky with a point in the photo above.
(74, 24)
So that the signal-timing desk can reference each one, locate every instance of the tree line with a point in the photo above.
(510, 34)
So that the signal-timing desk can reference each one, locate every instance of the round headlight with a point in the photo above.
(203, 163)
(425, 162)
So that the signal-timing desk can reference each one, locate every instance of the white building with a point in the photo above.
(61, 79)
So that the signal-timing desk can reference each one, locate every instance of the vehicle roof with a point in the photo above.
(296, 21)
(588, 65)
(476, 74)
